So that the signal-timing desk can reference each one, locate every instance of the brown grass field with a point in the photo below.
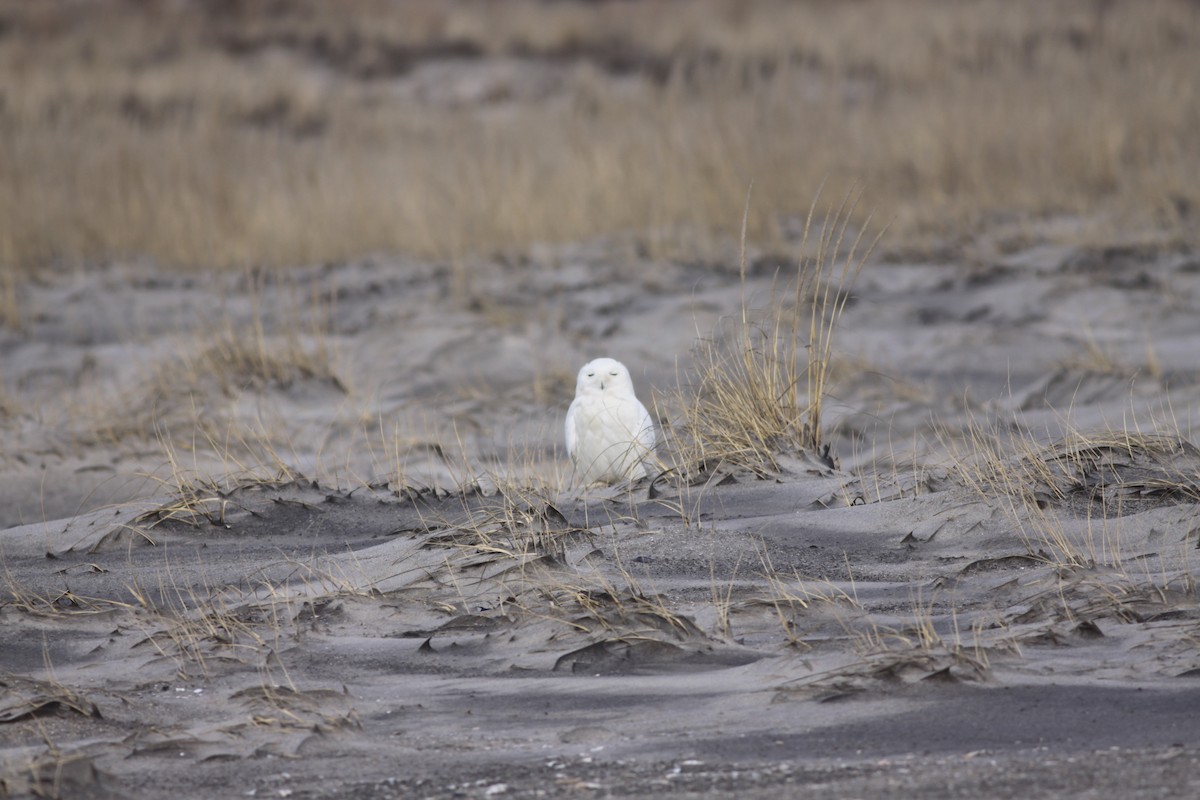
(268, 134)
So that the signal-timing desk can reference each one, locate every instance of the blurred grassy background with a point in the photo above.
(275, 133)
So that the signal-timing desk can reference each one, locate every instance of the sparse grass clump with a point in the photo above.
(515, 524)
(1106, 468)
(759, 385)
(1067, 496)
(236, 363)
(205, 393)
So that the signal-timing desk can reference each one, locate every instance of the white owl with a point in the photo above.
(609, 432)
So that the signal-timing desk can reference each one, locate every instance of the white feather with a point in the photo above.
(610, 434)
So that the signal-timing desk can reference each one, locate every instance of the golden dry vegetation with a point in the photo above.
(247, 133)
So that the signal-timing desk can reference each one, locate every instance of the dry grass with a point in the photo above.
(221, 134)
(50, 773)
(200, 399)
(235, 363)
(517, 525)
(912, 653)
(925, 644)
(1083, 502)
(512, 552)
(9, 406)
(792, 597)
(1069, 499)
(758, 389)
(194, 629)
(1097, 466)
(1095, 358)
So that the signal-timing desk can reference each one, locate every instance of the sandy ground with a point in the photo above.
(368, 627)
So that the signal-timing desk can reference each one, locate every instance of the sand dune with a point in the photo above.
(992, 588)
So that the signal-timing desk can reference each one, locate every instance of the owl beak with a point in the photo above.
(602, 386)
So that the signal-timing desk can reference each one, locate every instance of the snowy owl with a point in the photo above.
(609, 432)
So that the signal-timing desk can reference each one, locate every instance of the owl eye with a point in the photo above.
(591, 374)
(614, 373)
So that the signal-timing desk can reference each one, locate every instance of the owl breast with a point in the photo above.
(611, 435)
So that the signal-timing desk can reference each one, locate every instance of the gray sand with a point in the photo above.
(878, 629)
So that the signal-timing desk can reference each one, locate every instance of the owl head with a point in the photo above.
(604, 375)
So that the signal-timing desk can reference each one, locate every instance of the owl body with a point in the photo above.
(609, 432)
